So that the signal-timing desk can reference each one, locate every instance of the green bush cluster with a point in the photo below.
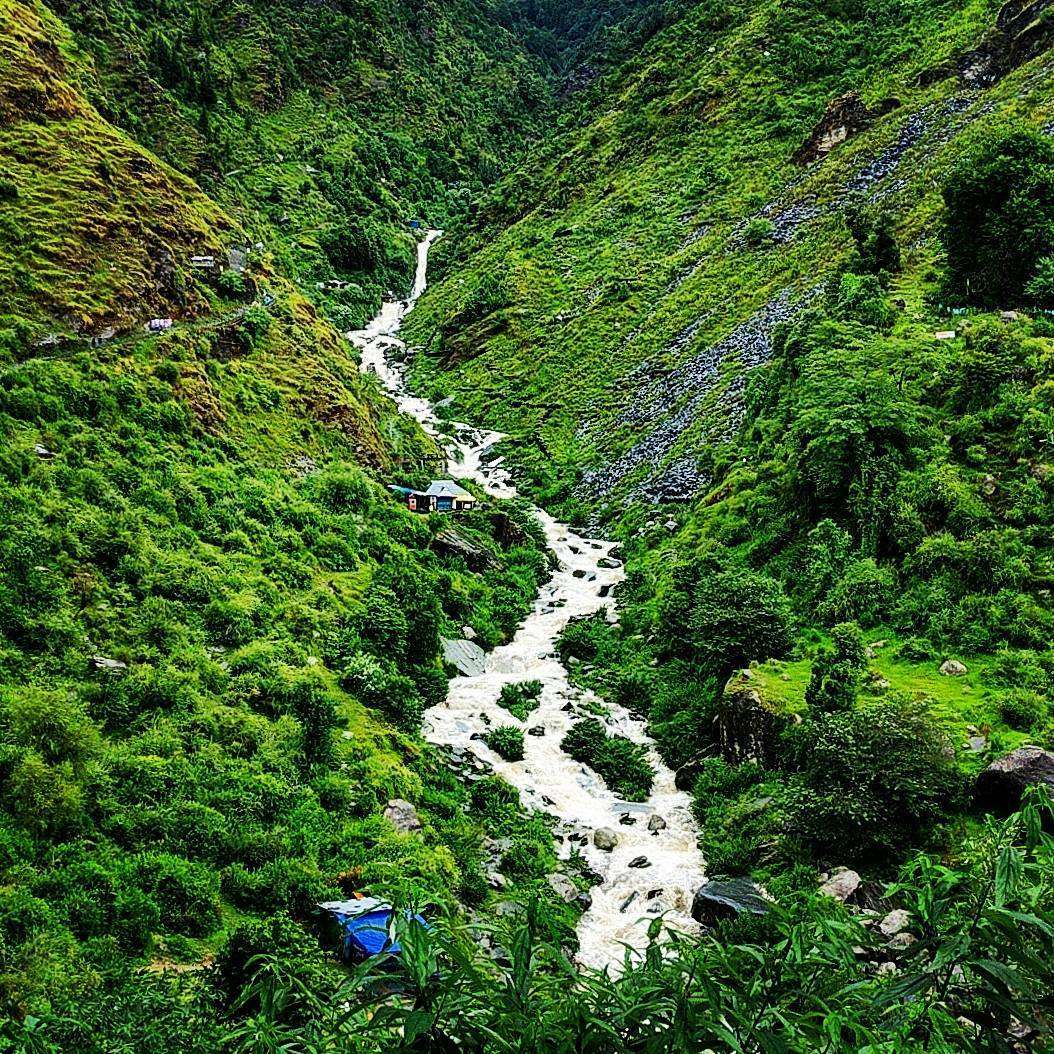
(507, 742)
(520, 698)
(622, 764)
(213, 669)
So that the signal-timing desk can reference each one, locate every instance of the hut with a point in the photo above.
(442, 495)
(449, 497)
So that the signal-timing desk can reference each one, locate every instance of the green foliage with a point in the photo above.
(837, 672)
(721, 617)
(1023, 709)
(875, 241)
(980, 961)
(507, 742)
(520, 698)
(999, 226)
(622, 764)
(870, 779)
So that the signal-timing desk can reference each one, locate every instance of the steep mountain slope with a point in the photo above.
(773, 306)
(217, 629)
(324, 128)
(623, 281)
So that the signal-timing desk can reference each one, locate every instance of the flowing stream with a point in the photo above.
(655, 866)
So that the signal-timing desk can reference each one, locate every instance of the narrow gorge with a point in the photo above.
(654, 867)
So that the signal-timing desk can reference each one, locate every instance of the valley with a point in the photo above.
(636, 596)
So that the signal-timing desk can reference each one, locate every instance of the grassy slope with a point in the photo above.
(621, 245)
(623, 251)
(89, 216)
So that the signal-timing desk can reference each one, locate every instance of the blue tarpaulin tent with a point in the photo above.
(367, 926)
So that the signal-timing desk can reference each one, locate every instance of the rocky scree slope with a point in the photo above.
(621, 286)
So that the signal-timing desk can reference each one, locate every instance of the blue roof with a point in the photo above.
(368, 933)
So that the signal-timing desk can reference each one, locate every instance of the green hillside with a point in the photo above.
(714, 314)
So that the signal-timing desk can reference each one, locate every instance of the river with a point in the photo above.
(660, 830)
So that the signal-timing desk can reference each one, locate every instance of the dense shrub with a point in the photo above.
(999, 225)
(520, 698)
(622, 764)
(870, 779)
(837, 671)
(1023, 709)
(507, 742)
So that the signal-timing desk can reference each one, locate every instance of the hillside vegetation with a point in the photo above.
(779, 317)
(764, 291)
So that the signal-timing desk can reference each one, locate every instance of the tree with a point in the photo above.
(874, 236)
(999, 224)
(836, 673)
(722, 617)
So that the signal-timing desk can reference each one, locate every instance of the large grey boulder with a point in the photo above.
(605, 839)
(725, 898)
(1001, 785)
(465, 656)
(403, 816)
(952, 668)
(451, 542)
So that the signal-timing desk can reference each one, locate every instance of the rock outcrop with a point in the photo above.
(846, 116)
(451, 542)
(1023, 29)
(747, 726)
(1001, 785)
(402, 815)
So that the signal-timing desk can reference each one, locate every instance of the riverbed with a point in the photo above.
(655, 866)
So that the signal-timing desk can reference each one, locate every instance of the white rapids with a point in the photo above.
(628, 898)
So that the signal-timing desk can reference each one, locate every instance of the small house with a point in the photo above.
(449, 497)
(204, 263)
(442, 495)
(158, 325)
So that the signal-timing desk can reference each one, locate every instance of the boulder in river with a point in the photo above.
(656, 823)
(725, 898)
(465, 656)
(605, 839)
(1001, 785)
(639, 862)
